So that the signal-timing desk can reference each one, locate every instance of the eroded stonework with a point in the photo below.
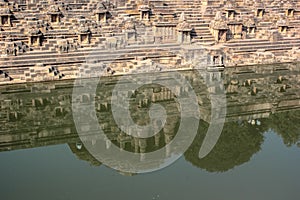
(43, 40)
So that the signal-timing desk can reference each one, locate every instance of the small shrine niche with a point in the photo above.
(54, 18)
(290, 12)
(84, 38)
(54, 14)
(283, 24)
(130, 31)
(35, 37)
(184, 30)
(215, 57)
(222, 35)
(251, 30)
(219, 28)
(230, 13)
(9, 48)
(102, 17)
(250, 24)
(145, 13)
(283, 28)
(4, 20)
(5, 17)
(230, 9)
(260, 12)
(101, 13)
(34, 40)
(217, 60)
(84, 35)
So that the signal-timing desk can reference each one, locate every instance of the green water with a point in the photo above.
(55, 173)
(42, 155)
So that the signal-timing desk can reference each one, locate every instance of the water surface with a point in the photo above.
(256, 156)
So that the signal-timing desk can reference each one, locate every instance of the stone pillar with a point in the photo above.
(142, 145)
(221, 60)
(168, 139)
(180, 37)
(187, 36)
(184, 37)
(157, 139)
(235, 30)
(211, 62)
(136, 145)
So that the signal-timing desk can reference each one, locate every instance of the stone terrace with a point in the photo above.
(44, 40)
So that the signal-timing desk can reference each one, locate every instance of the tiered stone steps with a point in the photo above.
(197, 13)
(52, 58)
(253, 45)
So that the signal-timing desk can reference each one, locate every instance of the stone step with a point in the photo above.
(78, 57)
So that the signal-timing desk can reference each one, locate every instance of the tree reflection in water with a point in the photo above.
(286, 125)
(237, 144)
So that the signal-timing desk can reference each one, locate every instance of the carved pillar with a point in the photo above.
(184, 36)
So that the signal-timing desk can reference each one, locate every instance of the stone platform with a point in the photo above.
(46, 40)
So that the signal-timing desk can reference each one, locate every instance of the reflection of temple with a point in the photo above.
(40, 114)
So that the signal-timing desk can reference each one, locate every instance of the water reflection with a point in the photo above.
(237, 144)
(82, 153)
(258, 99)
(286, 124)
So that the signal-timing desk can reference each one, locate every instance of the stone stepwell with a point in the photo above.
(36, 35)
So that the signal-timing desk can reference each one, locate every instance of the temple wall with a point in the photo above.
(63, 33)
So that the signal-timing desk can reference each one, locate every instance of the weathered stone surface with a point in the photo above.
(64, 33)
